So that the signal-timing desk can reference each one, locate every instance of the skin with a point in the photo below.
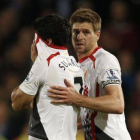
(21, 100)
(85, 40)
(33, 52)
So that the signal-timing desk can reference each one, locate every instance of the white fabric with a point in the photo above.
(44, 51)
(59, 121)
(104, 71)
(33, 138)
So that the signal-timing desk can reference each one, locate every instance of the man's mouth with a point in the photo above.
(79, 44)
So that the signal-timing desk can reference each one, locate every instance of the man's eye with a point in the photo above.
(86, 32)
(76, 32)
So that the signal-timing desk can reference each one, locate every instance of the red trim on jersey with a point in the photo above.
(93, 59)
(51, 56)
(51, 46)
(37, 40)
(96, 50)
(94, 115)
(84, 58)
(55, 46)
(93, 128)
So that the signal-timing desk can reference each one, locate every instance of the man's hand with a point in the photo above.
(33, 52)
(64, 94)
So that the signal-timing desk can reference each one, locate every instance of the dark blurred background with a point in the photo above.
(120, 36)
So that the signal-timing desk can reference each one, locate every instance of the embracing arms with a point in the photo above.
(112, 102)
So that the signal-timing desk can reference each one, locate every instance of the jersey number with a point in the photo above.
(78, 80)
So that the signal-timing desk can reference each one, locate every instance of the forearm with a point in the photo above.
(111, 102)
(79, 123)
(106, 103)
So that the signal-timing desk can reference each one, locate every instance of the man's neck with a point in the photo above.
(82, 55)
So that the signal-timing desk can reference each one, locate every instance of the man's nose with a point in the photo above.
(80, 36)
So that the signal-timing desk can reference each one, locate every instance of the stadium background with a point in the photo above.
(120, 36)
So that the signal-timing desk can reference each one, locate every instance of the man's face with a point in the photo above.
(84, 39)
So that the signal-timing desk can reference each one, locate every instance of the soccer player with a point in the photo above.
(52, 65)
(102, 103)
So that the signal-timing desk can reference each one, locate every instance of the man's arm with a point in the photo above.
(20, 100)
(34, 52)
(112, 102)
(79, 123)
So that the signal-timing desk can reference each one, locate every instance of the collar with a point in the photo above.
(89, 56)
(51, 46)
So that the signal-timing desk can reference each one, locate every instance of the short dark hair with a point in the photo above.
(55, 27)
(86, 15)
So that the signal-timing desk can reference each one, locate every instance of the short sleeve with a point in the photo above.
(109, 72)
(35, 78)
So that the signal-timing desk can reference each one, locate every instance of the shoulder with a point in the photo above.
(105, 59)
(103, 55)
(39, 66)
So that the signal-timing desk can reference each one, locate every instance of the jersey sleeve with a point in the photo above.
(109, 72)
(35, 78)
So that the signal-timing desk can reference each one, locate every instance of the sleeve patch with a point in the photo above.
(111, 74)
(28, 76)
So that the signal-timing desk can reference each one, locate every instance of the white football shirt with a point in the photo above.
(102, 69)
(52, 121)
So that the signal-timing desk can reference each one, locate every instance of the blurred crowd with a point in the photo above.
(120, 35)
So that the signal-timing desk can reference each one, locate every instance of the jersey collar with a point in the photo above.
(84, 58)
(51, 46)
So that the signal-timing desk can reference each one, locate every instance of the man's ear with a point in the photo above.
(98, 34)
(49, 41)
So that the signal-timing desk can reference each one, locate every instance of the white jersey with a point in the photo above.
(102, 69)
(51, 121)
